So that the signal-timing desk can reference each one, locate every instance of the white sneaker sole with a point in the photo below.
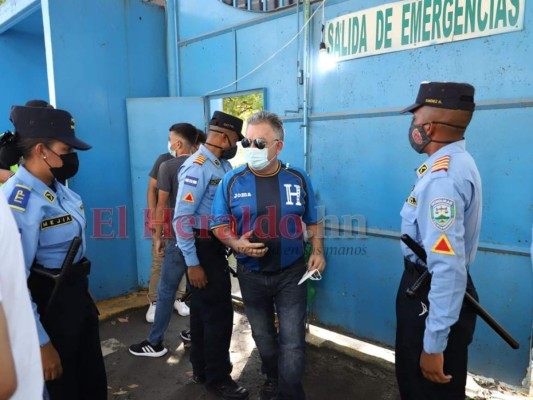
(152, 355)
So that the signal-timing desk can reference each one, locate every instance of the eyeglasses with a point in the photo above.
(259, 143)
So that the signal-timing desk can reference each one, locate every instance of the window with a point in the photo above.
(242, 105)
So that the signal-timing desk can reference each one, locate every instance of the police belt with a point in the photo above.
(75, 273)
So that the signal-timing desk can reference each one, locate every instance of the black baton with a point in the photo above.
(426, 276)
(421, 254)
(67, 263)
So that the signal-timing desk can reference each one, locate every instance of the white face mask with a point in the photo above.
(256, 158)
(172, 152)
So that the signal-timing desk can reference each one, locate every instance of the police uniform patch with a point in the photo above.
(49, 196)
(422, 170)
(200, 159)
(191, 181)
(19, 197)
(442, 212)
(443, 246)
(215, 181)
(411, 200)
(216, 162)
(189, 198)
(441, 164)
(62, 220)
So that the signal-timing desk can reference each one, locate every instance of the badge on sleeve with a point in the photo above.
(191, 181)
(442, 211)
(443, 246)
(19, 197)
(189, 198)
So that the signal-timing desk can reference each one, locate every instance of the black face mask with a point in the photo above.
(69, 168)
(418, 147)
(228, 154)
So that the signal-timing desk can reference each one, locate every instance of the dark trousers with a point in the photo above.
(409, 343)
(212, 314)
(283, 353)
(72, 325)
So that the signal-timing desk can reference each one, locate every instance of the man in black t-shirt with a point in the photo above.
(185, 140)
(157, 254)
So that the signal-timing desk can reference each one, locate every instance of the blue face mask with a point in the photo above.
(257, 159)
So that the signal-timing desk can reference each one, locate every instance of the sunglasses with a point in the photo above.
(259, 143)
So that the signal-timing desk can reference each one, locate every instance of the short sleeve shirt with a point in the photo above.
(160, 160)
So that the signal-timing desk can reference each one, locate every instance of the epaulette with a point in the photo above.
(441, 164)
(19, 197)
(200, 159)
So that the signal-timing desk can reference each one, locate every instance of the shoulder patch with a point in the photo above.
(19, 197)
(441, 164)
(200, 159)
(442, 212)
(49, 196)
(191, 181)
(422, 170)
(411, 200)
(62, 220)
(443, 246)
(189, 198)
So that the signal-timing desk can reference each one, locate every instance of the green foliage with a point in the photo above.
(2, 2)
(243, 106)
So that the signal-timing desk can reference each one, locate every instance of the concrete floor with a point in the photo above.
(329, 374)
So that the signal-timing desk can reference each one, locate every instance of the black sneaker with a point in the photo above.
(229, 390)
(186, 335)
(145, 349)
(269, 390)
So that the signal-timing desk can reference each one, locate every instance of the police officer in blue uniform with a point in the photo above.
(205, 257)
(443, 215)
(49, 215)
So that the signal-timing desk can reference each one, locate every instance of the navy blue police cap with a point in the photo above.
(41, 122)
(449, 95)
(227, 121)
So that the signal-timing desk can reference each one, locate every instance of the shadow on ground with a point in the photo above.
(329, 374)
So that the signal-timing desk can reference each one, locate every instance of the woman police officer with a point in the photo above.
(49, 215)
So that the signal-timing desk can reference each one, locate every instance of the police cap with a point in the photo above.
(40, 122)
(227, 121)
(449, 95)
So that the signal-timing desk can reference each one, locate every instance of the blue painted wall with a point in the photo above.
(362, 166)
(23, 66)
(101, 53)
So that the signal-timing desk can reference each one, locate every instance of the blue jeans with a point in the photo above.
(172, 271)
(283, 353)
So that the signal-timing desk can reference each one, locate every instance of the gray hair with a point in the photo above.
(272, 119)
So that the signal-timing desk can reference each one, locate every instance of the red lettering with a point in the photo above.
(296, 225)
(99, 222)
(267, 221)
